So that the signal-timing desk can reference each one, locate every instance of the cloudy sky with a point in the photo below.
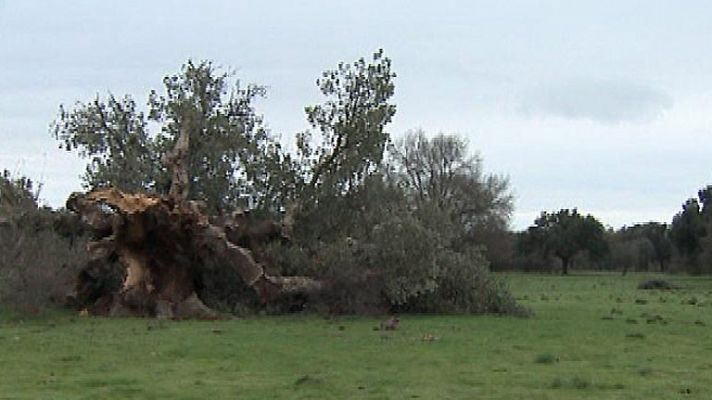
(601, 105)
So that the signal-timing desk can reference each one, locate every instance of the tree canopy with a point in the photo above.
(690, 229)
(229, 154)
(351, 123)
(438, 175)
(565, 234)
(652, 241)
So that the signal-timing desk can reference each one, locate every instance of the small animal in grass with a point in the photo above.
(429, 337)
(391, 324)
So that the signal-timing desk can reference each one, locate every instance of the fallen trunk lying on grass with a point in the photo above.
(160, 247)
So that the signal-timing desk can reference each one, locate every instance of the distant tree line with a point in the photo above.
(562, 240)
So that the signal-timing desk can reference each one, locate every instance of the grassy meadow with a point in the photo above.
(593, 337)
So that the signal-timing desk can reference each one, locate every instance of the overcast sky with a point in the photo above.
(601, 105)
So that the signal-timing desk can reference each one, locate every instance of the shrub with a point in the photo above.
(37, 266)
(545, 358)
(466, 286)
(401, 265)
(656, 284)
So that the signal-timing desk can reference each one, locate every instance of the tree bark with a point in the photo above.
(565, 265)
(177, 163)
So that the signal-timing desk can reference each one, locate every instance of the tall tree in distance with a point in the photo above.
(565, 234)
(657, 236)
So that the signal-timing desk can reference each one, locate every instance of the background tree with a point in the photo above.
(565, 234)
(689, 232)
(630, 253)
(438, 175)
(653, 243)
(688, 229)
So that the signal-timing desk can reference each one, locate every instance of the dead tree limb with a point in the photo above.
(177, 162)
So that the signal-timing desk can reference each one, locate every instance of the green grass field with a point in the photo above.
(593, 337)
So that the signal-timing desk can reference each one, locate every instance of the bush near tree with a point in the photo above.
(40, 249)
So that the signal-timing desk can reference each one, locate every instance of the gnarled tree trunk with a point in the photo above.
(162, 245)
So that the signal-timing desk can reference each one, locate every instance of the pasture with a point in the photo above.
(592, 337)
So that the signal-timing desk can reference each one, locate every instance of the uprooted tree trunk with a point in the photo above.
(162, 246)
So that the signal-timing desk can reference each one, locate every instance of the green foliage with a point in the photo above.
(640, 247)
(465, 285)
(114, 136)
(393, 257)
(233, 159)
(359, 227)
(656, 245)
(450, 190)
(405, 254)
(690, 230)
(351, 123)
(630, 255)
(414, 246)
(232, 156)
(361, 242)
(565, 234)
(231, 152)
(37, 267)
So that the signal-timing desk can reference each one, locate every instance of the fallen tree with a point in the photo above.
(350, 220)
(160, 247)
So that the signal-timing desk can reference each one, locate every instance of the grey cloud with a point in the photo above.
(607, 102)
